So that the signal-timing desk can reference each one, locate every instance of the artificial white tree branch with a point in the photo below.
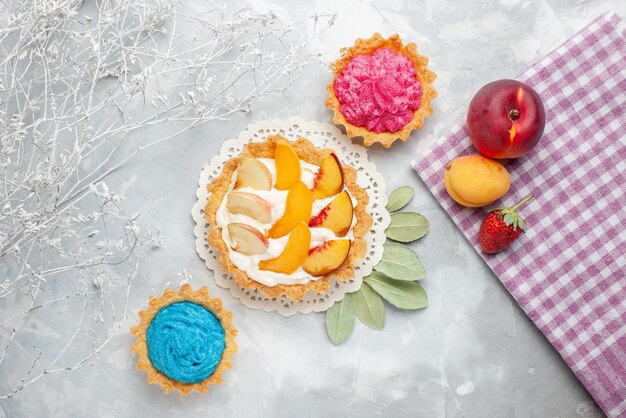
(78, 82)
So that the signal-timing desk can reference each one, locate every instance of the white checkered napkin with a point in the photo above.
(568, 272)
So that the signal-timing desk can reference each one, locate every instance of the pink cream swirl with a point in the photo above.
(379, 92)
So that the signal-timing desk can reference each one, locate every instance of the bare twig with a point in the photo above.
(78, 81)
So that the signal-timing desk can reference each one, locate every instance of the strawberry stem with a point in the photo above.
(523, 202)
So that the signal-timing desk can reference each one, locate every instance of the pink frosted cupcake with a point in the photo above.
(381, 90)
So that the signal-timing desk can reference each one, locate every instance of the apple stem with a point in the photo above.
(514, 114)
(523, 202)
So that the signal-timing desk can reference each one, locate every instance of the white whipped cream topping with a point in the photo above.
(276, 198)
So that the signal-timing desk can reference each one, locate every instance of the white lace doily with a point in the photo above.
(324, 136)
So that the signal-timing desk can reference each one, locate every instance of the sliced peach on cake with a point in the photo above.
(247, 239)
(253, 173)
(287, 165)
(336, 216)
(294, 253)
(327, 257)
(329, 179)
(297, 209)
(243, 203)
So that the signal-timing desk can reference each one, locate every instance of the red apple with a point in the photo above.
(505, 119)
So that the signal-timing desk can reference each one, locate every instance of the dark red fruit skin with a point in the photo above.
(488, 120)
(495, 235)
(320, 217)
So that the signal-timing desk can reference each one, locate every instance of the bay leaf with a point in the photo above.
(401, 294)
(369, 307)
(399, 198)
(340, 320)
(401, 263)
(407, 226)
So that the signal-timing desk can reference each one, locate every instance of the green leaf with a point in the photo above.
(340, 320)
(405, 295)
(401, 263)
(399, 198)
(407, 226)
(369, 307)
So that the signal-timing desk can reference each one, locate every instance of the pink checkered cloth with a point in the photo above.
(568, 272)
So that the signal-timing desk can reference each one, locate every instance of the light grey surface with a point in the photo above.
(472, 353)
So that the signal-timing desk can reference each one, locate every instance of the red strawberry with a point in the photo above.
(501, 227)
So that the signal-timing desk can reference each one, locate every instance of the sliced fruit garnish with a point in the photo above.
(249, 204)
(247, 239)
(327, 257)
(329, 179)
(294, 253)
(287, 165)
(253, 173)
(297, 209)
(336, 216)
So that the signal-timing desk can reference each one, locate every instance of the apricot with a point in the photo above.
(474, 180)
(454, 195)
(297, 209)
(287, 165)
(294, 253)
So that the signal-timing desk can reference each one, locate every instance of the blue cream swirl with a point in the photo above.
(185, 342)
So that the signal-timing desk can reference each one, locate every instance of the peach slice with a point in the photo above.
(336, 216)
(246, 239)
(297, 209)
(287, 165)
(294, 253)
(250, 205)
(329, 179)
(253, 173)
(327, 257)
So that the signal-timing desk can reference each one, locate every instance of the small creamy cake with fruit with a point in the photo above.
(286, 217)
(381, 90)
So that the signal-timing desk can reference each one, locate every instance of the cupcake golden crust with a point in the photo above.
(179, 325)
(220, 186)
(366, 110)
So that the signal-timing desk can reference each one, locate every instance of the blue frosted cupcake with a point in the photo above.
(185, 340)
